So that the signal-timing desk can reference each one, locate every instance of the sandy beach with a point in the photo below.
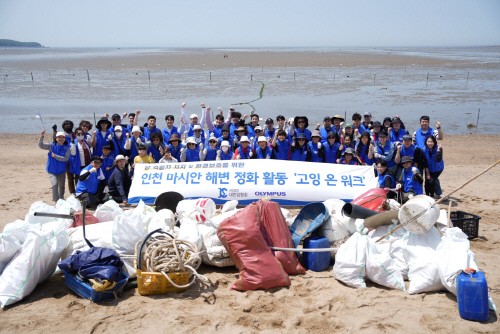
(315, 302)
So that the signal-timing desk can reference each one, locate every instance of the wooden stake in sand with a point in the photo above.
(449, 215)
(427, 80)
(149, 78)
(210, 76)
(467, 80)
(447, 195)
(374, 78)
(88, 75)
(32, 80)
(477, 122)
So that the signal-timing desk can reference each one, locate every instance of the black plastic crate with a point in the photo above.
(467, 222)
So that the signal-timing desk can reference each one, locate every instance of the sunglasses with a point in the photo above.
(97, 162)
(301, 122)
(116, 119)
(197, 130)
(408, 162)
(85, 126)
(302, 139)
(212, 142)
(191, 144)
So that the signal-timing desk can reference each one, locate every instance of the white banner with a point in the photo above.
(286, 182)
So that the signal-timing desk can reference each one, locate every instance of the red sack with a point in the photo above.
(89, 219)
(275, 231)
(259, 269)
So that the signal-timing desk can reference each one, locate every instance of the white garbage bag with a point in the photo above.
(215, 252)
(393, 245)
(74, 203)
(163, 219)
(189, 231)
(288, 217)
(229, 206)
(381, 268)
(350, 261)
(420, 254)
(9, 245)
(99, 235)
(186, 209)
(33, 264)
(39, 207)
(20, 229)
(108, 211)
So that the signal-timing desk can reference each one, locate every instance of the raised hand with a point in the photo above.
(438, 124)
(128, 135)
(399, 148)
(251, 112)
(150, 154)
(183, 104)
(319, 145)
(201, 146)
(341, 147)
(95, 133)
(440, 147)
(161, 150)
(183, 150)
(202, 105)
(137, 113)
(398, 186)
(414, 170)
(318, 126)
(208, 108)
(238, 157)
(139, 141)
(250, 154)
(218, 153)
(42, 133)
(124, 115)
(106, 115)
(182, 120)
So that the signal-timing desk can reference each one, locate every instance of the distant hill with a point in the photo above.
(9, 42)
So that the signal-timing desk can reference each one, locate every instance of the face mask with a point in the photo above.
(79, 137)
(118, 134)
(225, 149)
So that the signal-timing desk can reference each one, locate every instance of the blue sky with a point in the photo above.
(193, 23)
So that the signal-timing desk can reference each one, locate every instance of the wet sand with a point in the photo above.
(315, 302)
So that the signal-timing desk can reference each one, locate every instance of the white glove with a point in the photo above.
(93, 170)
(398, 186)
(201, 146)
(139, 141)
(290, 120)
(319, 145)
(342, 124)
(183, 150)
(236, 141)
(110, 137)
(414, 170)
(220, 109)
(268, 156)
(250, 154)
(184, 142)
(251, 139)
(218, 154)
(376, 155)
(238, 157)
(106, 190)
(251, 112)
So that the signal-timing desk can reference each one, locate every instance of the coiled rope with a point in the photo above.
(164, 254)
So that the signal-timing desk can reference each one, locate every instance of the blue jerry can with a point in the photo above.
(317, 261)
(472, 295)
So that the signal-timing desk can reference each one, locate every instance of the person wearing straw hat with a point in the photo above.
(101, 135)
(301, 123)
(175, 146)
(57, 158)
(243, 151)
(299, 150)
(263, 151)
(337, 127)
(120, 181)
(133, 142)
(210, 153)
(240, 132)
(225, 152)
(92, 184)
(192, 152)
(410, 180)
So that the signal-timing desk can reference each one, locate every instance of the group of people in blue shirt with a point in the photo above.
(96, 163)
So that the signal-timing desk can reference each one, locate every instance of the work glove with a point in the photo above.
(398, 186)
(319, 145)
(201, 146)
(238, 157)
(236, 141)
(110, 137)
(93, 170)
(250, 154)
(183, 150)
(376, 155)
(414, 170)
(139, 141)
(251, 139)
(54, 127)
(106, 190)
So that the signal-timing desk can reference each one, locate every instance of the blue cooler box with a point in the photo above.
(317, 261)
(472, 296)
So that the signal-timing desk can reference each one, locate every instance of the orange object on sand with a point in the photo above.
(371, 199)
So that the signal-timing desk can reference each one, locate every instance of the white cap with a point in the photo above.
(244, 138)
(258, 128)
(118, 127)
(193, 116)
(262, 138)
(136, 129)
(120, 157)
(196, 127)
(224, 143)
(60, 133)
(191, 140)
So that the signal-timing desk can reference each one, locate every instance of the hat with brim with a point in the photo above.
(316, 133)
(120, 157)
(348, 125)
(60, 134)
(296, 121)
(118, 127)
(96, 157)
(116, 116)
(224, 143)
(302, 136)
(407, 137)
(331, 134)
(197, 127)
(406, 159)
(191, 140)
(367, 113)
(365, 134)
(136, 129)
(376, 123)
(396, 120)
(193, 116)
(257, 128)
(174, 137)
(225, 128)
(348, 151)
(103, 120)
(382, 134)
(244, 139)
(262, 138)
(240, 128)
(338, 117)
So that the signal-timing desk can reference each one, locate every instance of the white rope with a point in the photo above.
(307, 250)
(163, 254)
